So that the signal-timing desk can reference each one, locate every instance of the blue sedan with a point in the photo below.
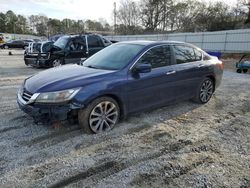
(122, 79)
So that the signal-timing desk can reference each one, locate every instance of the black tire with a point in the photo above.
(26, 62)
(238, 70)
(245, 70)
(85, 114)
(204, 91)
(56, 63)
(6, 47)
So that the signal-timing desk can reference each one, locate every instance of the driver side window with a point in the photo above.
(77, 45)
(159, 56)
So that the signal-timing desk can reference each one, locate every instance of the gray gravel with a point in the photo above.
(182, 145)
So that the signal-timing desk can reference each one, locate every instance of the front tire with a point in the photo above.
(204, 91)
(101, 115)
(6, 47)
(244, 70)
(56, 63)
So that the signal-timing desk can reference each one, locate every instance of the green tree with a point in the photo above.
(2, 22)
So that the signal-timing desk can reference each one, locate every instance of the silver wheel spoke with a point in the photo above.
(110, 120)
(101, 126)
(206, 91)
(113, 113)
(94, 120)
(107, 124)
(95, 128)
(96, 114)
(103, 117)
(105, 107)
(110, 110)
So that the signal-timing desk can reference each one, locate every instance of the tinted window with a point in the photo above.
(157, 57)
(94, 41)
(47, 46)
(198, 54)
(206, 56)
(184, 54)
(113, 57)
(18, 42)
(77, 44)
(62, 42)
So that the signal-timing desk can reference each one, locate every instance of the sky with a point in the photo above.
(73, 9)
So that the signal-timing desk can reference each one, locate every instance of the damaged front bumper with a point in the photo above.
(48, 112)
(37, 60)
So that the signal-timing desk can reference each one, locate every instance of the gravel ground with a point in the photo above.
(182, 145)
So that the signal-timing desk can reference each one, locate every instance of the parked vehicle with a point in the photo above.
(16, 44)
(244, 64)
(122, 79)
(67, 49)
(36, 52)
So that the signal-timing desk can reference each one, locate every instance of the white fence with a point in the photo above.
(11, 36)
(231, 41)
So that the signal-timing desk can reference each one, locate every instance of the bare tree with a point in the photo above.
(246, 3)
(128, 15)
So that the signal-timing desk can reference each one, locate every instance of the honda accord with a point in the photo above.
(122, 79)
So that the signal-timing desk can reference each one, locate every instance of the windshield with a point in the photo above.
(114, 57)
(47, 46)
(61, 42)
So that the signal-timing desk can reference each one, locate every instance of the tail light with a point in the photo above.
(220, 64)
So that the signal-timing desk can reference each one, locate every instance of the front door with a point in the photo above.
(148, 90)
(76, 50)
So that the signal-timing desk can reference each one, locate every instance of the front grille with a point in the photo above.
(26, 95)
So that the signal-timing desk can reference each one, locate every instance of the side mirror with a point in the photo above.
(143, 68)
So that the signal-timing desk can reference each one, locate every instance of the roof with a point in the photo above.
(147, 42)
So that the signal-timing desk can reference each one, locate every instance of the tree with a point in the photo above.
(151, 14)
(11, 20)
(2, 22)
(246, 3)
(128, 16)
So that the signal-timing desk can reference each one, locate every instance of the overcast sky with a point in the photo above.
(73, 9)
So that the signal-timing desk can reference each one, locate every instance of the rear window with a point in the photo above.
(186, 54)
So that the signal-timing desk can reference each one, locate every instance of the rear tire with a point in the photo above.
(245, 70)
(204, 91)
(101, 115)
(238, 70)
(6, 47)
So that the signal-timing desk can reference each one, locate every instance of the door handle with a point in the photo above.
(170, 72)
(201, 65)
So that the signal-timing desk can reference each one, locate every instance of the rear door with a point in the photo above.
(95, 44)
(189, 68)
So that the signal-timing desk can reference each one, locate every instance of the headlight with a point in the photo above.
(58, 96)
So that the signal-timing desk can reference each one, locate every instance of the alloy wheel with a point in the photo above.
(103, 117)
(206, 91)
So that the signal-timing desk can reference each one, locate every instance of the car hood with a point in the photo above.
(64, 77)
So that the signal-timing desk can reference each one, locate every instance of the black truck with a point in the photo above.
(67, 49)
